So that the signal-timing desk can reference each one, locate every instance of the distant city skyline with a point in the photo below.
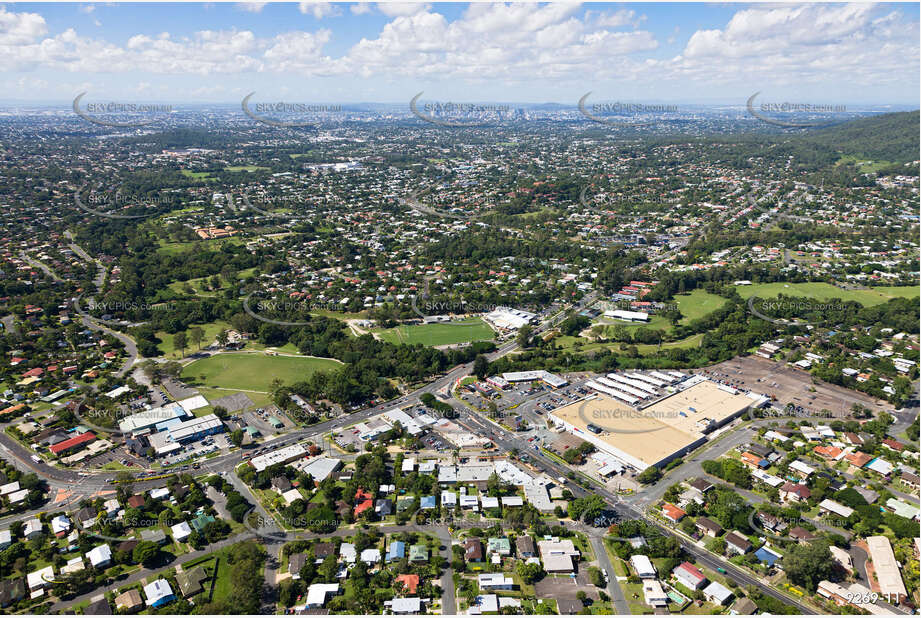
(313, 52)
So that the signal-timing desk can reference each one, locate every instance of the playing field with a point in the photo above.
(447, 333)
(826, 291)
(253, 371)
(697, 304)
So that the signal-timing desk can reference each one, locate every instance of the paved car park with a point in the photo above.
(789, 385)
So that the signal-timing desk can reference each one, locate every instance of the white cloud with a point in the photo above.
(251, 7)
(20, 28)
(402, 9)
(319, 10)
(790, 44)
(514, 43)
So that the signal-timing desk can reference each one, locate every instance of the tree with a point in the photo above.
(529, 572)
(524, 336)
(649, 475)
(596, 577)
(587, 508)
(146, 553)
(180, 341)
(197, 335)
(807, 565)
(480, 366)
(222, 337)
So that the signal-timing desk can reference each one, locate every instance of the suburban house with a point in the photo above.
(708, 527)
(794, 492)
(689, 576)
(737, 543)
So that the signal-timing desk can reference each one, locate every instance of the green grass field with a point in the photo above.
(196, 175)
(244, 168)
(697, 304)
(197, 283)
(864, 164)
(826, 291)
(439, 334)
(211, 330)
(253, 371)
(176, 248)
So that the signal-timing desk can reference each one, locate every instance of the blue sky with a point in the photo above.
(360, 52)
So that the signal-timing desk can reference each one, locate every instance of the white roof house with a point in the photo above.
(40, 578)
(643, 566)
(156, 591)
(372, 555)
(348, 553)
(830, 506)
(448, 498)
(181, 531)
(32, 528)
(9, 488)
(159, 493)
(880, 466)
(653, 594)
(74, 565)
(317, 594)
(291, 495)
(802, 467)
(717, 593)
(60, 524)
(886, 567)
(100, 556)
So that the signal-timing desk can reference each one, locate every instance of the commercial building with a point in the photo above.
(145, 421)
(72, 444)
(505, 318)
(627, 316)
(282, 455)
(550, 379)
(657, 433)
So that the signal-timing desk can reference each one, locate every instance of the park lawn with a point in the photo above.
(177, 248)
(211, 330)
(864, 164)
(656, 322)
(462, 331)
(179, 286)
(253, 371)
(821, 291)
(197, 175)
(244, 168)
(697, 304)
(568, 343)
